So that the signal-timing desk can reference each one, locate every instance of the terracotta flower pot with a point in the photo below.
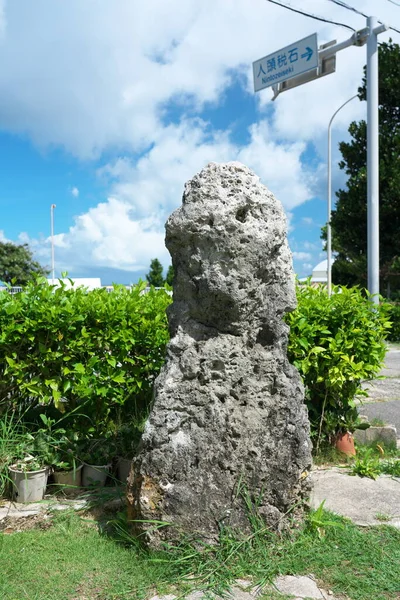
(345, 443)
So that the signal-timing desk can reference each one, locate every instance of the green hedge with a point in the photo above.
(93, 356)
(394, 312)
(91, 353)
(336, 343)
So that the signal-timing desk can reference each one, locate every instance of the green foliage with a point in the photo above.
(366, 465)
(90, 355)
(335, 343)
(170, 276)
(155, 275)
(17, 264)
(349, 219)
(360, 563)
(318, 521)
(12, 435)
(390, 467)
(369, 463)
(98, 452)
(394, 333)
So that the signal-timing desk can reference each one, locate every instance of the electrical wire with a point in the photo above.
(393, 2)
(358, 12)
(311, 16)
(348, 7)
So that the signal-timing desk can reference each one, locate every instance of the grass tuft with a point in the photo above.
(74, 559)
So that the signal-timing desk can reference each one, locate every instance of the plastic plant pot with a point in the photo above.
(28, 486)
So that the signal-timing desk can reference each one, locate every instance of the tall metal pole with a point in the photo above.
(52, 207)
(373, 159)
(328, 221)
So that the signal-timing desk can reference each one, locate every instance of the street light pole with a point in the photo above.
(328, 222)
(373, 158)
(52, 207)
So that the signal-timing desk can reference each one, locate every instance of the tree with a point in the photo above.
(16, 263)
(170, 275)
(349, 219)
(155, 275)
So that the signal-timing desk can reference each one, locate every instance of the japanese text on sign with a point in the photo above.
(293, 60)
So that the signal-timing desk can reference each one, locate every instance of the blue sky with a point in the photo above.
(106, 109)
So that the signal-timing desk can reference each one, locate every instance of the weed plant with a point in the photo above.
(372, 461)
(75, 559)
(12, 442)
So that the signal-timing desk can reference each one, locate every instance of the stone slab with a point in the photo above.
(358, 498)
(16, 510)
(386, 435)
(298, 586)
(388, 411)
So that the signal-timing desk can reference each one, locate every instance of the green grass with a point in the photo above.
(74, 560)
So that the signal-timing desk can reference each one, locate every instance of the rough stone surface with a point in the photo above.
(228, 405)
(299, 586)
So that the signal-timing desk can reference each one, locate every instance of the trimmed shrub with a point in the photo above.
(336, 343)
(91, 354)
(394, 313)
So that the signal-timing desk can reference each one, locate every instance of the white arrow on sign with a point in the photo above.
(284, 64)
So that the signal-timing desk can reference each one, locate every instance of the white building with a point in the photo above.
(320, 272)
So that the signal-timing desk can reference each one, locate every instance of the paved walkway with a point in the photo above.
(365, 501)
(383, 400)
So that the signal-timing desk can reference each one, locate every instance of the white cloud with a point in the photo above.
(301, 255)
(97, 79)
(307, 221)
(92, 75)
(310, 246)
(128, 230)
(3, 237)
(107, 235)
(155, 181)
(307, 267)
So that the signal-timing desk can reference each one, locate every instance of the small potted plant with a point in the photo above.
(345, 425)
(29, 478)
(67, 471)
(97, 460)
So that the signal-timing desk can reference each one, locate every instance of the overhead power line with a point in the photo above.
(311, 16)
(348, 7)
(393, 2)
(338, 3)
(358, 12)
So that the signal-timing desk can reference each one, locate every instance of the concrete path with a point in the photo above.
(388, 412)
(363, 500)
(383, 400)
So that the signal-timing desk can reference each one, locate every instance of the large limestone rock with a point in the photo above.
(228, 418)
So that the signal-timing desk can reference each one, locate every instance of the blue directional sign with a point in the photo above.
(284, 64)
